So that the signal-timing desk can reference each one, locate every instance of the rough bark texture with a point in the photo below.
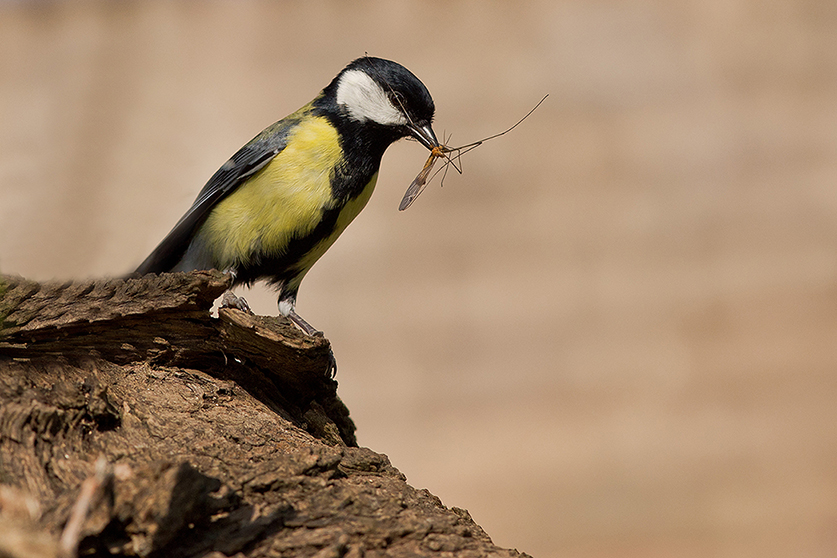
(132, 423)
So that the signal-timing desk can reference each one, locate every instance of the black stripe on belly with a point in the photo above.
(282, 268)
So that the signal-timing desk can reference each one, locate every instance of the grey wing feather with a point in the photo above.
(246, 162)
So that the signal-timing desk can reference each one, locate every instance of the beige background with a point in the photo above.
(613, 336)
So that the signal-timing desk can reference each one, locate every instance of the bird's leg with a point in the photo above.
(297, 320)
(287, 302)
(303, 325)
(229, 300)
(286, 308)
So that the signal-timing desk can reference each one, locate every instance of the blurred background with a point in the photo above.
(613, 335)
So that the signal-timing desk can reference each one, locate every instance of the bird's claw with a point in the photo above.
(229, 300)
(331, 369)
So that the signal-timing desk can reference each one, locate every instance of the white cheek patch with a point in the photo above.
(366, 100)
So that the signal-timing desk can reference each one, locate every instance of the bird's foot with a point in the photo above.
(308, 329)
(331, 369)
(229, 300)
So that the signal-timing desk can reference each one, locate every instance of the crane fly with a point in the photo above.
(444, 152)
(417, 185)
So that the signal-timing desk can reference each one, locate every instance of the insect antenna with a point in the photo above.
(456, 160)
(462, 149)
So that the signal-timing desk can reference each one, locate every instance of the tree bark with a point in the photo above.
(133, 423)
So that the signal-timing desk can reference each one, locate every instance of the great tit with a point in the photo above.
(282, 200)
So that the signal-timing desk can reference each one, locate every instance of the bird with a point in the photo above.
(274, 208)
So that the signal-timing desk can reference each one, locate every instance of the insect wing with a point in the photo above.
(417, 186)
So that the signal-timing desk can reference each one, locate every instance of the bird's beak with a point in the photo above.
(425, 135)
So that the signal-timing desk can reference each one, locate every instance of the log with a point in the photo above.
(134, 423)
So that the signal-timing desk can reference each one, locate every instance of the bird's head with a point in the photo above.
(385, 94)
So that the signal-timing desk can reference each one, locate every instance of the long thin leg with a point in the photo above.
(303, 325)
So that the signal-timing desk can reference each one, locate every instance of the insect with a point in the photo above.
(444, 152)
(417, 186)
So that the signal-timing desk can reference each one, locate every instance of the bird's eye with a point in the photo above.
(397, 99)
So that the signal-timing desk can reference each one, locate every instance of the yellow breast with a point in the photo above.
(283, 200)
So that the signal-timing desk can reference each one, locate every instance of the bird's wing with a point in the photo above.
(245, 163)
